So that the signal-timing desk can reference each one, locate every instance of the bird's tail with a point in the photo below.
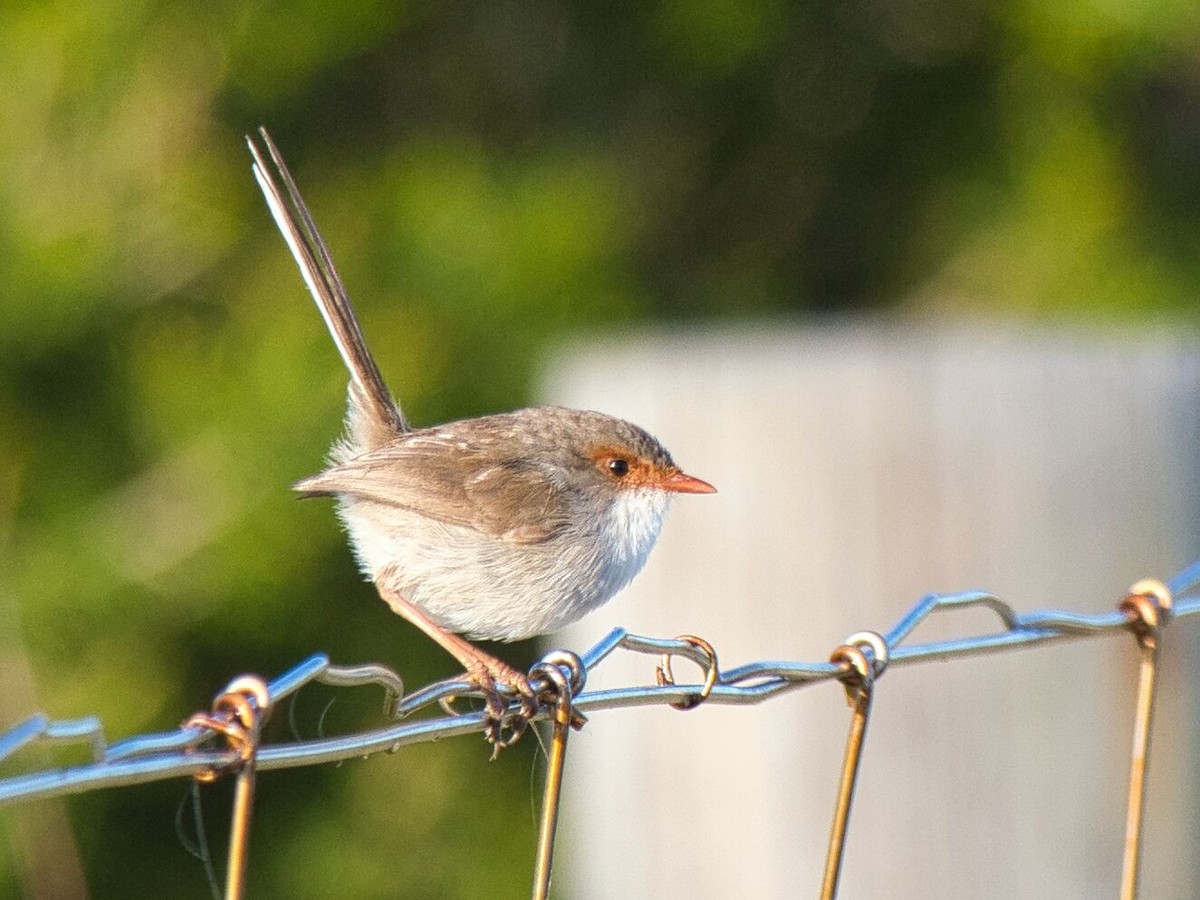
(374, 415)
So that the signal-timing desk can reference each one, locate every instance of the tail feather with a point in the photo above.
(369, 395)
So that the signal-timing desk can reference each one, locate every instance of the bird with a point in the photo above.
(500, 527)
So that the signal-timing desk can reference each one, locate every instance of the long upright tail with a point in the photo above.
(369, 395)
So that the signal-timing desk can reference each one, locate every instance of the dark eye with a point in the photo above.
(618, 466)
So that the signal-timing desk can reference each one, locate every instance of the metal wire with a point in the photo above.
(179, 754)
(1148, 608)
(863, 658)
(564, 717)
(238, 712)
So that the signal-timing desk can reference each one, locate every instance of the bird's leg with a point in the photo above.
(484, 670)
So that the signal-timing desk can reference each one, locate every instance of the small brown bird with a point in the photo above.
(501, 527)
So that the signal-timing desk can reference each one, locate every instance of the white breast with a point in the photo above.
(490, 588)
(629, 533)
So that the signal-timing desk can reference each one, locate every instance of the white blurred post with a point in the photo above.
(859, 467)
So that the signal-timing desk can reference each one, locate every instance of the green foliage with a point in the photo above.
(491, 177)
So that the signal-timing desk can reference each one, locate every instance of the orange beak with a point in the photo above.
(681, 483)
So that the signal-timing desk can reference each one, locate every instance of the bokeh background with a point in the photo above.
(494, 180)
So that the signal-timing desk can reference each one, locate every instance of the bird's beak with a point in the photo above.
(681, 483)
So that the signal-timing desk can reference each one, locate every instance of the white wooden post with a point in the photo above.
(860, 466)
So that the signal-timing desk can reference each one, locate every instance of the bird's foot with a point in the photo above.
(501, 685)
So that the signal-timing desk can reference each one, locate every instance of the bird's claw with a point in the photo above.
(503, 725)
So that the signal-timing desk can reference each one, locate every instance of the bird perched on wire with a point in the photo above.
(501, 527)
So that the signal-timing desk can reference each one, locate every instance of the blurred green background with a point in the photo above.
(493, 179)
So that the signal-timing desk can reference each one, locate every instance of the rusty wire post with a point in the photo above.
(863, 658)
(563, 689)
(1148, 608)
(238, 714)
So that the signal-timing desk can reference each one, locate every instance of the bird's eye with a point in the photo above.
(618, 466)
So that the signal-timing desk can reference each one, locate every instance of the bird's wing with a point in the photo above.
(512, 499)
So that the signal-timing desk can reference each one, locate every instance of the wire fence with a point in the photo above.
(225, 739)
